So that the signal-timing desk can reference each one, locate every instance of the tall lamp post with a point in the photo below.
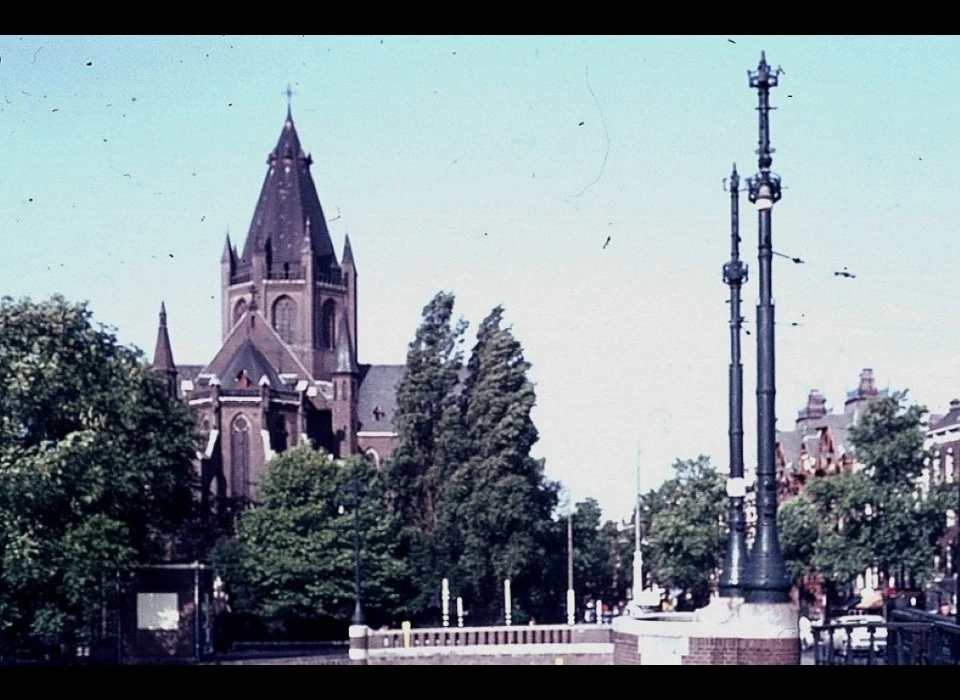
(358, 618)
(735, 274)
(571, 597)
(767, 580)
(637, 552)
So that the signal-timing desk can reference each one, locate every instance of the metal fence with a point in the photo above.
(907, 638)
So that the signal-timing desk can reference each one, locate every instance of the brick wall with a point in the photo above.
(625, 650)
(753, 652)
(715, 651)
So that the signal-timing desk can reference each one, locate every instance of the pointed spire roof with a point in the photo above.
(347, 252)
(227, 251)
(162, 354)
(288, 198)
(346, 363)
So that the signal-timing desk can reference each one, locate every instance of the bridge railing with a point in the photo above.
(904, 640)
(477, 636)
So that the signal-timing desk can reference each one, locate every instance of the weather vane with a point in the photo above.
(289, 93)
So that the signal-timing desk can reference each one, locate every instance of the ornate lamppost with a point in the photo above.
(735, 274)
(767, 580)
(358, 618)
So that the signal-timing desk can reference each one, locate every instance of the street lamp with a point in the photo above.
(571, 598)
(354, 488)
(735, 274)
(767, 580)
(637, 552)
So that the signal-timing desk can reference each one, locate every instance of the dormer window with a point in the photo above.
(243, 380)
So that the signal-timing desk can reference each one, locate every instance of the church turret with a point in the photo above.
(344, 402)
(228, 265)
(349, 271)
(163, 355)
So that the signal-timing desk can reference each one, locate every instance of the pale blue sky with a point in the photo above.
(460, 163)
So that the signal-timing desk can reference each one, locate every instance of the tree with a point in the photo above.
(597, 552)
(497, 500)
(429, 424)
(95, 468)
(292, 562)
(880, 516)
(798, 526)
(687, 530)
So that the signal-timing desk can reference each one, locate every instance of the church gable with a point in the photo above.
(254, 331)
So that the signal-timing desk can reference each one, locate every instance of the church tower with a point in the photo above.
(286, 372)
(289, 261)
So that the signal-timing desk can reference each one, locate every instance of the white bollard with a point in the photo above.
(445, 601)
(459, 611)
(507, 603)
(599, 607)
(571, 603)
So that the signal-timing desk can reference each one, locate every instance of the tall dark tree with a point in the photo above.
(498, 497)
(428, 420)
(95, 468)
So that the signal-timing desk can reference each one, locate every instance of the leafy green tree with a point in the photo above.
(497, 500)
(798, 526)
(879, 516)
(429, 423)
(687, 528)
(596, 555)
(292, 562)
(906, 525)
(95, 469)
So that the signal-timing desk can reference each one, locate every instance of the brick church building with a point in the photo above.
(287, 370)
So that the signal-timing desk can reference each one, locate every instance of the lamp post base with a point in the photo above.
(357, 618)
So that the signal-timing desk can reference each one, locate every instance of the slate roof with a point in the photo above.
(344, 349)
(162, 354)
(378, 389)
(288, 201)
(347, 251)
(189, 371)
(792, 440)
(951, 418)
(248, 358)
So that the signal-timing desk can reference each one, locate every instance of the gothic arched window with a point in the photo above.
(328, 314)
(240, 457)
(285, 319)
(239, 309)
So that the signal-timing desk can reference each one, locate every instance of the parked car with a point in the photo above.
(858, 641)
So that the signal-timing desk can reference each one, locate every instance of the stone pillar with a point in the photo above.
(359, 644)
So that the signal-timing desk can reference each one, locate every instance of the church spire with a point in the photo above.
(288, 199)
(163, 355)
(346, 362)
(347, 252)
(227, 256)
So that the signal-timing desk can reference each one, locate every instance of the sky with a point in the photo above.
(577, 181)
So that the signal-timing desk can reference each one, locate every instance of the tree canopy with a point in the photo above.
(477, 508)
(95, 468)
(292, 562)
(882, 516)
(684, 523)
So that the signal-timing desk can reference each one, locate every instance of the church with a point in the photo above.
(287, 371)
